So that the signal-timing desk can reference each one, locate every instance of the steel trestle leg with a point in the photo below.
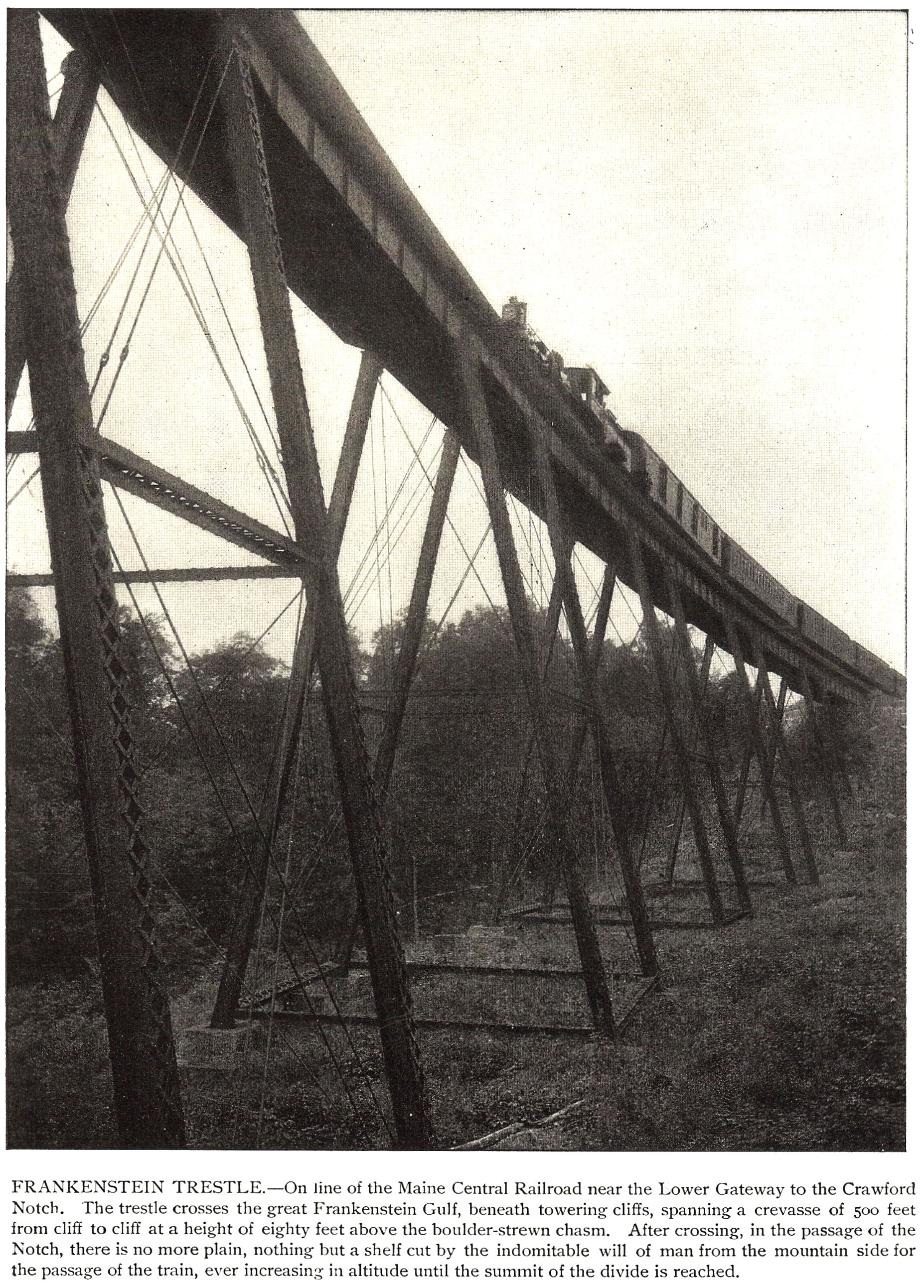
(304, 660)
(808, 690)
(360, 808)
(780, 749)
(696, 691)
(758, 743)
(617, 806)
(145, 1080)
(69, 132)
(475, 413)
(675, 729)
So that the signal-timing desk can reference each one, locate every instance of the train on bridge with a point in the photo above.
(628, 450)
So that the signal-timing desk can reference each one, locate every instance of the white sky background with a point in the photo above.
(708, 207)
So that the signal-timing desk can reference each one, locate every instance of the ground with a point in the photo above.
(784, 1031)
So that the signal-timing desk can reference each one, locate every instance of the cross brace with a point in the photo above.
(158, 576)
(133, 473)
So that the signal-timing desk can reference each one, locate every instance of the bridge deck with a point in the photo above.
(362, 254)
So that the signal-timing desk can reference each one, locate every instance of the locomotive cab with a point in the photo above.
(587, 386)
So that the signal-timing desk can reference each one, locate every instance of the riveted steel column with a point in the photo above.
(758, 742)
(697, 689)
(575, 752)
(299, 458)
(69, 131)
(616, 803)
(780, 748)
(549, 635)
(416, 613)
(808, 691)
(607, 590)
(650, 797)
(475, 412)
(681, 749)
(776, 710)
(145, 1082)
(696, 695)
(304, 659)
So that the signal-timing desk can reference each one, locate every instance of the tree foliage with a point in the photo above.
(464, 815)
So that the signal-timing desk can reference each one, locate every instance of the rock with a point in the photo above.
(204, 1047)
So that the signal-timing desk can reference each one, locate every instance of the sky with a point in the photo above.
(707, 207)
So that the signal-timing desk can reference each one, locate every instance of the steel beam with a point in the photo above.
(579, 734)
(758, 742)
(549, 635)
(296, 1018)
(744, 773)
(696, 687)
(69, 131)
(20, 440)
(617, 806)
(304, 659)
(776, 710)
(780, 748)
(132, 473)
(363, 255)
(607, 590)
(247, 160)
(158, 576)
(675, 728)
(416, 614)
(145, 1081)
(697, 690)
(474, 413)
(821, 742)
(576, 750)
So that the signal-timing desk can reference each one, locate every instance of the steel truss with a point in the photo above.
(44, 333)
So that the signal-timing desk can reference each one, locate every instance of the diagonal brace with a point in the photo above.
(752, 700)
(675, 728)
(617, 806)
(824, 756)
(474, 413)
(696, 686)
(780, 748)
(304, 659)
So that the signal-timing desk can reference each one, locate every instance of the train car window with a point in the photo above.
(679, 499)
(694, 518)
(662, 481)
(715, 541)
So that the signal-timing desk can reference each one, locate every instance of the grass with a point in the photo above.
(783, 1032)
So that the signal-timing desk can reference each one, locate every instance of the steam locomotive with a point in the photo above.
(628, 450)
